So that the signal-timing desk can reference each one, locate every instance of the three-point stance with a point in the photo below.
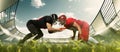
(73, 24)
(34, 27)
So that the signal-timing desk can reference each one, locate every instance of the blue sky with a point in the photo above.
(80, 9)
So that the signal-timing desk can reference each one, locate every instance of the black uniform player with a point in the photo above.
(34, 26)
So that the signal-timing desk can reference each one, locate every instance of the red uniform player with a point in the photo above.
(76, 25)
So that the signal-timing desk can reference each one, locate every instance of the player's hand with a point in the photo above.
(62, 29)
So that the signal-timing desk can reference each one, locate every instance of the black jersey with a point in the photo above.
(41, 23)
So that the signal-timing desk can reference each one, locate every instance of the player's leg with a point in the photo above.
(26, 38)
(31, 27)
(92, 40)
(73, 37)
(39, 34)
(85, 32)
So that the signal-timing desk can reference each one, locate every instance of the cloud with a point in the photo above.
(22, 29)
(3, 14)
(19, 21)
(70, 0)
(73, 0)
(12, 13)
(91, 13)
(36, 18)
(68, 14)
(63, 34)
(93, 7)
(21, 0)
(20, 25)
(37, 3)
(91, 10)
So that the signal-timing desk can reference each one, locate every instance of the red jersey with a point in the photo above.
(83, 25)
(70, 21)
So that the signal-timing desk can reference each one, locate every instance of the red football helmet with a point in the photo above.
(62, 17)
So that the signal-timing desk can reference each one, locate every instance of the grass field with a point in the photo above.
(73, 46)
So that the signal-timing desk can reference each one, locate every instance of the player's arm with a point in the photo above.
(73, 37)
(50, 29)
(62, 28)
(77, 26)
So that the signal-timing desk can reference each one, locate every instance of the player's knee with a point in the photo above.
(40, 34)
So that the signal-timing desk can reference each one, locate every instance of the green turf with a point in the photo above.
(109, 41)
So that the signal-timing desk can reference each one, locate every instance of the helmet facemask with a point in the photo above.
(55, 17)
